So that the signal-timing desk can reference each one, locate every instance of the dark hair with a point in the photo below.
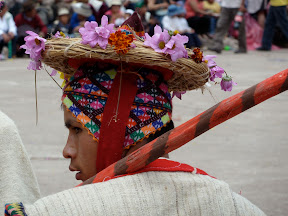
(28, 6)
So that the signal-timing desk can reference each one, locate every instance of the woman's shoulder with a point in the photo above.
(145, 193)
(6, 122)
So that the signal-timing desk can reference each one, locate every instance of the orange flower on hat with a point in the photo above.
(197, 56)
(120, 41)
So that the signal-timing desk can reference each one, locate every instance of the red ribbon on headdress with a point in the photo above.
(115, 118)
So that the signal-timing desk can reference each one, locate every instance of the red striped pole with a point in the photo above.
(186, 132)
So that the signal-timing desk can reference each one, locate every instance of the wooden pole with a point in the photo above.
(186, 132)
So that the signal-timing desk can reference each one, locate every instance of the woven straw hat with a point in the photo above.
(186, 74)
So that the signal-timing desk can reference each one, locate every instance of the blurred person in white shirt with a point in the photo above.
(8, 30)
(175, 21)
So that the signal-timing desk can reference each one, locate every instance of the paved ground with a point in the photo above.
(249, 151)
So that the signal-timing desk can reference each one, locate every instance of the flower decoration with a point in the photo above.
(34, 46)
(215, 72)
(121, 41)
(178, 94)
(208, 59)
(163, 42)
(92, 34)
(227, 83)
(53, 73)
(64, 77)
(197, 56)
(176, 47)
(59, 35)
(218, 72)
(158, 40)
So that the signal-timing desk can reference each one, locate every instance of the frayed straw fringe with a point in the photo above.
(187, 74)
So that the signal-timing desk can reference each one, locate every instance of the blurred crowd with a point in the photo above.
(206, 22)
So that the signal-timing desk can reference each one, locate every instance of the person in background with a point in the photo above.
(82, 13)
(277, 15)
(146, 17)
(8, 30)
(115, 15)
(229, 10)
(197, 17)
(213, 7)
(99, 8)
(14, 6)
(28, 20)
(258, 10)
(128, 13)
(45, 11)
(62, 23)
(159, 8)
(175, 21)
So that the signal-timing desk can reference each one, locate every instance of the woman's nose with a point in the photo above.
(69, 150)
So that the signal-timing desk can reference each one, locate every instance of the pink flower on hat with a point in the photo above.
(59, 35)
(34, 65)
(227, 83)
(176, 47)
(178, 94)
(215, 72)
(209, 60)
(92, 34)
(159, 40)
(162, 42)
(34, 46)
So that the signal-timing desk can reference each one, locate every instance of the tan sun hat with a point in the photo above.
(116, 2)
(184, 73)
(63, 11)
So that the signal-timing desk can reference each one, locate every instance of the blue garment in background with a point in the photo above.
(74, 22)
(276, 15)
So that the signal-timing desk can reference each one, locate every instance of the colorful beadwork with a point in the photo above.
(86, 95)
(14, 209)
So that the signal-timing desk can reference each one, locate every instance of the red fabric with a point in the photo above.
(113, 127)
(189, 10)
(36, 22)
(254, 33)
(165, 165)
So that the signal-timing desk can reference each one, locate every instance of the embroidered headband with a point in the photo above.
(86, 96)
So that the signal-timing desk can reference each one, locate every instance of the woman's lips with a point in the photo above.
(78, 175)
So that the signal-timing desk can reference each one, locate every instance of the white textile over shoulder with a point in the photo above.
(18, 182)
(149, 193)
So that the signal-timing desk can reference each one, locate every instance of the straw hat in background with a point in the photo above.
(82, 9)
(63, 11)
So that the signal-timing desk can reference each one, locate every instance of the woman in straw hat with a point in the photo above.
(116, 99)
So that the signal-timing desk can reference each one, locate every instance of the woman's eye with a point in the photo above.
(77, 130)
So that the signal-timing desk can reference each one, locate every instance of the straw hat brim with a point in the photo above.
(186, 73)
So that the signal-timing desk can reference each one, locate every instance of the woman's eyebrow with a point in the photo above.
(71, 122)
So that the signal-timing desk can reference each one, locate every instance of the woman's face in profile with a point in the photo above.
(80, 148)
